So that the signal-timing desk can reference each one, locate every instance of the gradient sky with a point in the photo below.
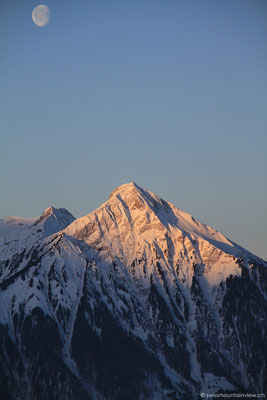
(171, 94)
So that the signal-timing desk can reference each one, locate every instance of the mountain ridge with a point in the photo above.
(135, 300)
(55, 212)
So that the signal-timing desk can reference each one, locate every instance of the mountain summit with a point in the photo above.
(18, 233)
(135, 222)
(136, 300)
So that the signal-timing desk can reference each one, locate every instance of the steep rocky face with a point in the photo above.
(136, 300)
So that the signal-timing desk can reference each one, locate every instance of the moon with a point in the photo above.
(41, 15)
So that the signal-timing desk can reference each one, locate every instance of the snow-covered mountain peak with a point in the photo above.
(130, 208)
(126, 187)
(135, 223)
(138, 292)
(53, 220)
(141, 208)
(59, 212)
(136, 197)
(18, 233)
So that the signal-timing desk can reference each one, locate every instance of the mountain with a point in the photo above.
(136, 300)
(20, 234)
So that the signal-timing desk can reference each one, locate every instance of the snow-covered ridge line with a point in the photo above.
(138, 292)
(134, 218)
(143, 207)
(129, 222)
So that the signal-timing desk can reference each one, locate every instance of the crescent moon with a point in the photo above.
(41, 15)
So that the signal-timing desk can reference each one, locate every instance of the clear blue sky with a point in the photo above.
(171, 94)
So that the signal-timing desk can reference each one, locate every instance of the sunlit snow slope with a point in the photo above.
(137, 223)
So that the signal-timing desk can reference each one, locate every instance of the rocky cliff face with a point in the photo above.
(137, 300)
